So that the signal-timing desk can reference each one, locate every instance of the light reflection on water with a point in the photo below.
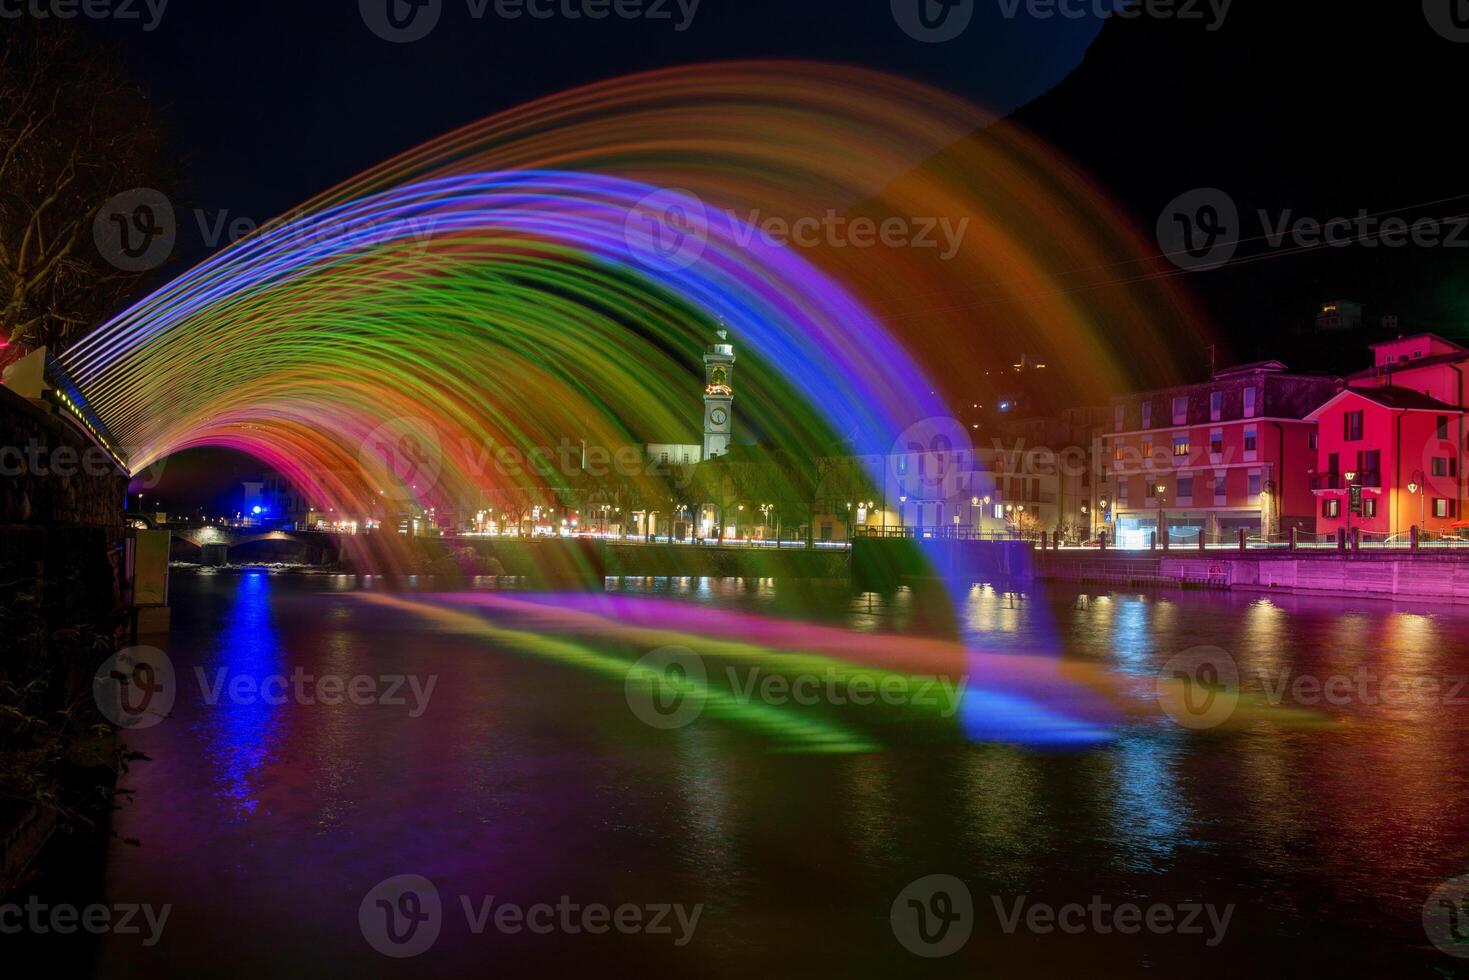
(529, 779)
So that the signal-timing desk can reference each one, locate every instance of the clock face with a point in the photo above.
(719, 416)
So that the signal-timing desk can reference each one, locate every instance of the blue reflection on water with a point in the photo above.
(240, 731)
(995, 716)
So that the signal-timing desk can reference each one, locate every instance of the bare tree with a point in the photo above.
(74, 132)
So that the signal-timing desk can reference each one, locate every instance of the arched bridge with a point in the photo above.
(213, 544)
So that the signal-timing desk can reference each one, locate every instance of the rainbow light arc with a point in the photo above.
(492, 289)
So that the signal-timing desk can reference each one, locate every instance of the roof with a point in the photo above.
(1400, 399)
(1414, 336)
(1393, 367)
(1252, 367)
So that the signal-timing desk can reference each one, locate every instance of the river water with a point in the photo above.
(523, 774)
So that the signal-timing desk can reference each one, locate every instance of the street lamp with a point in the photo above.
(1162, 515)
(1352, 490)
(1418, 485)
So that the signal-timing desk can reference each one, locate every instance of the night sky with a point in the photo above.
(271, 103)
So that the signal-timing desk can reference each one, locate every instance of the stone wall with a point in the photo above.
(50, 474)
(61, 555)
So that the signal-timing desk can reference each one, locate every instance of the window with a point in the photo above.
(1369, 467)
(999, 512)
(1147, 415)
(1220, 487)
(662, 457)
(1216, 442)
(1445, 466)
(1254, 484)
(1123, 491)
(1445, 508)
(1149, 489)
(1331, 508)
(1180, 446)
(1369, 507)
(1250, 398)
(1443, 427)
(1252, 440)
(1119, 453)
(1180, 410)
(1185, 488)
(1147, 453)
(1216, 406)
(1118, 414)
(1313, 440)
(1333, 463)
(1352, 426)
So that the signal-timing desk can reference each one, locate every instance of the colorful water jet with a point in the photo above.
(551, 275)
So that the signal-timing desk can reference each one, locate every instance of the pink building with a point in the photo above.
(1396, 432)
(1231, 454)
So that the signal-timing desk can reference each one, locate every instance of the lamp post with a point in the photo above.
(1162, 517)
(1418, 486)
(1352, 496)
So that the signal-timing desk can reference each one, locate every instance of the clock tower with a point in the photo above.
(718, 396)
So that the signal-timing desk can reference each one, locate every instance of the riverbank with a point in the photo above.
(1418, 577)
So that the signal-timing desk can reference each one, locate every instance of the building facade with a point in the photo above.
(1233, 453)
(1392, 442)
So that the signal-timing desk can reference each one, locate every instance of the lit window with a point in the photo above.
(1331, 508)
(1180, 446)
(1369, 507)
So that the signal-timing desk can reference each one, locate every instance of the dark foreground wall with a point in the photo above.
(61, 540)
